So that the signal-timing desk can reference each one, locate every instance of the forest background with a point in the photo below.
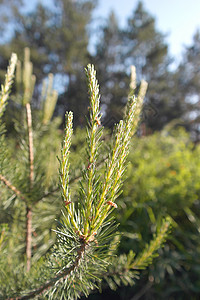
(163, 174)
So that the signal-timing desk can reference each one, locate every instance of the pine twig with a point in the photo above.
(63, 275)
(64, 168)
(31, 179)
(28, 237)
(30, 139)
(94, 135)
(12, 187)
(5, 89)
(146, 256)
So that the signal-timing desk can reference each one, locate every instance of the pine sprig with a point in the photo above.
(94, 135)
(125, 268)
(116, 165)
(49, 96)
(29, 78)
(85, 233)
(64, 169)
(145, 258)
(6, 88)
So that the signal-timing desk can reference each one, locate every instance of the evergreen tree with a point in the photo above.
(8, 12)
(29, 179)
(111, 70)
(188, 77)
(65, 23)
(71, 37)
(144, 46)
(71, 40)
(34, 30)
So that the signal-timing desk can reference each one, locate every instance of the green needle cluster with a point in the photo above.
(98, 193)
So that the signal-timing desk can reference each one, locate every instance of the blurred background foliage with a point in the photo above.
(163, 179)
(164, 170)
(60, 35)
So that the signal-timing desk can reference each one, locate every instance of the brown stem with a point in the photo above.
(31, 179)
(30, 140)
(51, 282)
(12, 187)
(28, 237)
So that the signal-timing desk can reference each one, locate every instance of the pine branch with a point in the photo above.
(147, 255)
(124, 268)
(85, 222)
(62, 275)
(12, 187)
(82, 255)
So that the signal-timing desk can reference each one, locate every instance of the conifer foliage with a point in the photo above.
(84, 253)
